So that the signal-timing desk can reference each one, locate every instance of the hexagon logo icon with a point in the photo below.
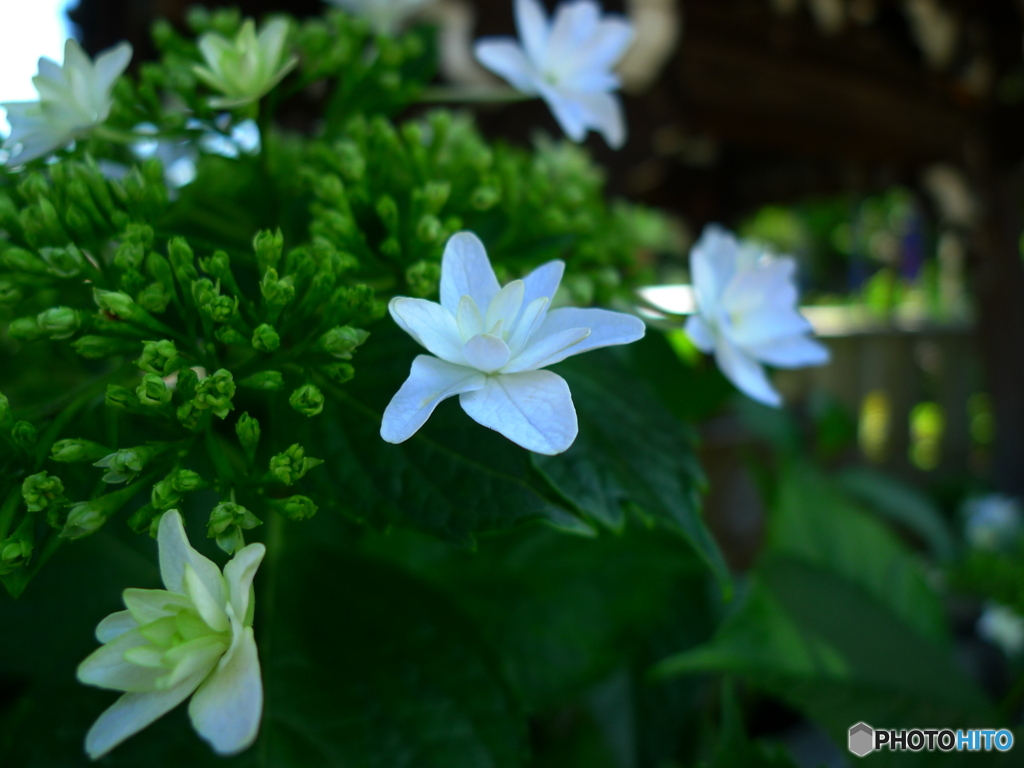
(862, 739)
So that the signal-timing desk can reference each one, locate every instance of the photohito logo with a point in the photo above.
(863, 740)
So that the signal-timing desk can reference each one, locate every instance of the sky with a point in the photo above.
(30, 29)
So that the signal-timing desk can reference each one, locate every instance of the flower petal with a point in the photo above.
(607, 45)
(504, 57)
(430, 381)
(532, 315)
(239, 574)
(133, 712)
(745, 373)
(505, 305)
(768, 282)
(431, 325)
(469, 319)
(766, 324)
(543, 281)
(547, 350)
(574, 23)
(566, 111)
(712, 266)
(700, 333)
(106, 667)
(607, 328)
(176, 553)
(792, 352)
(532, 25)
(603, 112)
(227, 708)
(210, 608)
(466, 271)
(486, 353)
(115, 625)
(147, 605)
(532, 409)
(110, 65)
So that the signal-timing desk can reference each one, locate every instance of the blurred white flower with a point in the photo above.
(385, 16)
(74, 97)
(993, 521)
(246, 68)
(195, 636)
(568, 62)
(491, 344)
(1003, 627)
(747, 313)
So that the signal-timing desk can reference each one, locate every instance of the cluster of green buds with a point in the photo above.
(227, 523)
(43, 493)
(124, 465)
(292, 465)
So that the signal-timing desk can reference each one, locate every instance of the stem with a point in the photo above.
(8, 510)
(472, 95)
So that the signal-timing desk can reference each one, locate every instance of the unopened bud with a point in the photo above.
(205, 291)
(59, 322)
(75, 449)
(122, 466)
(121, 398)
(296, 508)
(117, 305)
(307, 400)
(159, 357)
(215, 393)
(41, 491)
(277, 293)
(182, 261)
(5, 411)
(339, 373)
(154, 298)
(265, 339)
(153, 391)
(10, 293)
(85, 518)
(24, 435)
(423, 278)
(98, 347)
(292, 465)
(248, 430)
(218, 265)
(268, 381)
(342, 342)
(15, 552)
(268, 246)
(63, 262)
(25, 329)
(222, 309)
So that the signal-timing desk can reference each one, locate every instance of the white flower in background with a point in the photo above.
(568, 62)
(194, 637)
(385, 16)
(246, 68)
(1003, 627)
(491, 344)
(747, 313)
(993, 521)
(73, 98)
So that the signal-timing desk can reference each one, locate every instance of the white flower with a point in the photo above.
(491, 344)
(385, 16)
(73, 98)
(568, 62)
(194, 637)
(747, 313)
(993, 521)
(246, 68)
(1002, 627)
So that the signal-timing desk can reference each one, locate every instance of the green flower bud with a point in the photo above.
(227, 521)
(164, 495)
(223, 309)
(205, 291)
(265, 339)
(121, 398)
(41, 491)
(78, 222)
(350, 160)
(132, 281)
(159, 268)
(122, 466)
(154, 298)
(76, 449)
(485, 198)
(85, 518)
(20, 260)
(141, 520)
(296, 508)
(268, 381)
(248, 430)
(24, 435)
(339, 373)
(268, 247)
(97, 347)
(129, 255)
(15, 551)
(25, 329)
(59, 322)
(387, 209)
(159, 357)
(10, 294)
(187, 382)
(218, 265)
(63, 262)
(215, 393)
(342, 342)
(118, 306)
(153, 391)
(182, 261)
(307, 400)
(292, 465)
(331, 190)
(429, 229)
(435, 195)
(5, 411)
(391, 248)
(276, 293)
(423, 278)
(225, 334)
(187, 481)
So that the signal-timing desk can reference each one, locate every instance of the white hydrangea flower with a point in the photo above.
(993, 522)
(246, 68)
(74, 97)
(747, 313)
(195, 636)
(1002, 627)
(385, 16)
(490, 344)
(568, 62)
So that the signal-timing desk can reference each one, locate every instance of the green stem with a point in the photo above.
(8, 510)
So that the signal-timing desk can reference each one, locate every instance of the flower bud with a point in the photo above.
(59, 322)
(276, 293)
(159, 268)
(227, 521)
(182, 261)
(84, 518)
(330, 189)
(423, 278)
(187, 382)
(15, 552)
(75, 449)
(122, 466)
(121, 398)
(484, 198)
(342, 342)
(429, 229)
(204, 291)
(296, 508)
(20, 260)
(97, 347)
(41, 491)
(268, 381)
(10, 293)
(435, 195)
(154, 298)
(142, 518)
(187, 481)
(63, 262)
(118, 306)
(24, 435)
(387, 210)
(159, 357)
(25, 329)
(132, 281)
(307, 400)
(265, 339)
(268, 247)
(350, 160)
(215, 393)
(153, 391)
(129, 255)
(218, 265)
(292, 465)
(222, 309)
(339, 373)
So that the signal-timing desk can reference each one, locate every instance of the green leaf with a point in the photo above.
(631, 453)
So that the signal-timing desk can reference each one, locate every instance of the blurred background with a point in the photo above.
(879, 142)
